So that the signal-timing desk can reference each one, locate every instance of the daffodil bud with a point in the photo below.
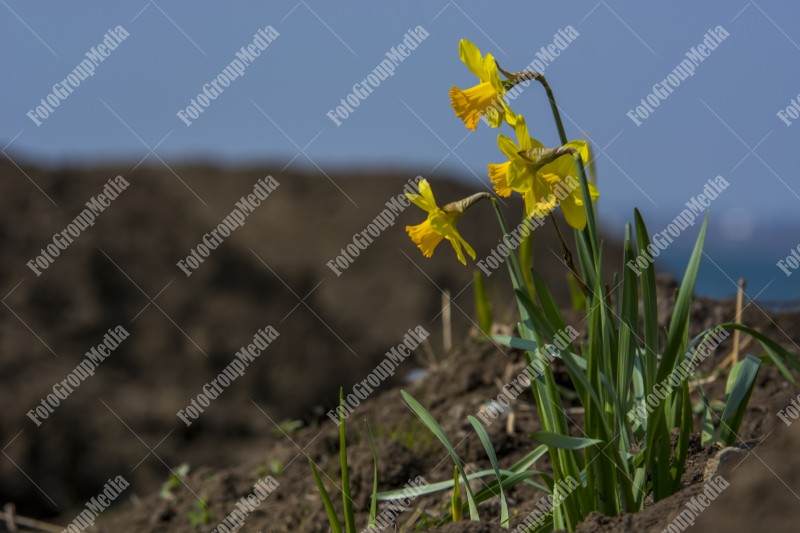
(460, 206)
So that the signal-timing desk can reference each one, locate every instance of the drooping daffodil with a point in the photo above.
(441, 222)
(484, 99)
(542, 186)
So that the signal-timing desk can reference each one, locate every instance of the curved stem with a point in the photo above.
(517, 77)
(554, 108)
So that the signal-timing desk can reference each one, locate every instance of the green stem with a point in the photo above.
(591, 223)
(545, 393)
(554, 108)
(514, 269)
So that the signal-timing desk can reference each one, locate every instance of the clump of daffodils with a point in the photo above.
(634, 380)
(525, 172)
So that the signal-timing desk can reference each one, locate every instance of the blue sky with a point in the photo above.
(720, 121)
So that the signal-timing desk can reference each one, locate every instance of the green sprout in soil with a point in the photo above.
(173, 483)
(274, 467)
(347, 501)
(200, 514)
(635, 383)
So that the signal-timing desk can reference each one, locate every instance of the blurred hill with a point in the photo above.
(184, 331)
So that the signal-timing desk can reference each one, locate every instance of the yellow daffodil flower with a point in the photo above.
(542, 187)
(562, 176)
(486, 98)
(440, 224)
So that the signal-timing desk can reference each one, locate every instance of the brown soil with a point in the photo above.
(122, 421)
(762, 479)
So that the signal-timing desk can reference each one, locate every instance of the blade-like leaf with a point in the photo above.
(373, 503)
(437, 430)
(487, 445)
(736, 405)
(647, 280)
(336, 526)
(455, 500)
(564, 442)
(483, 307)
(347, 501)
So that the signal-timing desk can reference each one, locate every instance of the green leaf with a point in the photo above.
(647, 280)
(548, 302)
(736, 405)
(509, 478)
(455, 501)
(658, 428)
(564, 442)
(779, 356)
(526, 260)
(627, 329)
(682, 449)
(707, 436)
(483, 307)
(576, 296)
(487, 445)
(347, 501)
(373, 505)
(436, 429)
(336, 526)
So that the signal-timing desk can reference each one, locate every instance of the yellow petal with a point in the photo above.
(582, 147)
(509, 148)
(471, 57)
(493, 74)
(424, 200)
(425, 191)
(425, 237)
(574, 214)
(593, 192)
(523, 138)
(498, 173)
(457, 247)
(445, 224)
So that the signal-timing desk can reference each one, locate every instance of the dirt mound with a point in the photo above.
(764, 472)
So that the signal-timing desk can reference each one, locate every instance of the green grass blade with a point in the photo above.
(585, 260)
(680, 315)
(629, 314)
(564, 442)
(510, 479)
(659, 431)
(483, 307)
(455, 501)
(576, 296)
(336, 526)
(373, 504)
(436, 429)
(779, 356)
(682, 448)
(538, 319)
(347, 501)
(526, 260)
(549, 306)
(707, 435)
(647, 280)
(487, 445)
(736, 405)
(529, 459)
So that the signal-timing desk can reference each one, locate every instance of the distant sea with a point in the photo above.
(732, 253)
